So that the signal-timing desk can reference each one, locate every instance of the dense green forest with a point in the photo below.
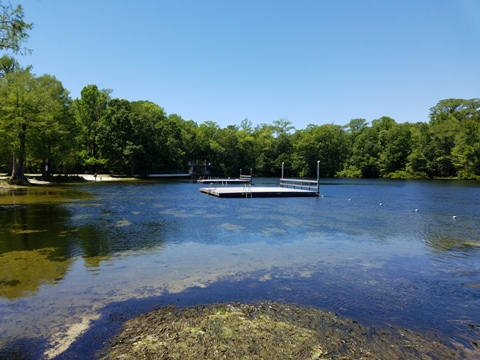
(44, 130)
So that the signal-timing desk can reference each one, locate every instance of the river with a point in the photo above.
(76, 261)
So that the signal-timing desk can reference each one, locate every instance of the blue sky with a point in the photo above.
(307, 61)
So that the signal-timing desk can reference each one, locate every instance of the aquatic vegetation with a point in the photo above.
(265, 331)
(23, 272)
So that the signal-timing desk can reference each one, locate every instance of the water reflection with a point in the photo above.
(34, 249)
(38, 242)
(23, 272)
(40, 195)
(105, 230)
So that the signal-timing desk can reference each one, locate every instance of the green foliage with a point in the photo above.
(350, 172)
(327, 143)
(90, 111)
(20, 104)
(365, 153)
(52, 141)
(13, 29)
(42, 128)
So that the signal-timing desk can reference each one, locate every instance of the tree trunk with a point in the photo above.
(13, 172)
(18, 171)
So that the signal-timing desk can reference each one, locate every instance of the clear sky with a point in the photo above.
(307, 61)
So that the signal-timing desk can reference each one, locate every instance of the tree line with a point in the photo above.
(42, 129)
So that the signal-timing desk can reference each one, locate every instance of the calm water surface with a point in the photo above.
(75, 262)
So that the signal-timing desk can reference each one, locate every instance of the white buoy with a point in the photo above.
(416, 210)
(349, 199)
(380, 204)
(454, 217)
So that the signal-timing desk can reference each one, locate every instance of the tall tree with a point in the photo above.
(229, 142)
(13, 28)
(356, 126)
(246, 125)
(54, 131)
(150, 145)
(208, 148)
(266, 150)
(115, 136)
(18, 110)
(282, 126)
(466, 152)
(32, 114)
(444, 125)
(91, 108)
(396, 147)
(365, 150)
(247, 151)
(7, 65)
(170, 130)
(419, 163)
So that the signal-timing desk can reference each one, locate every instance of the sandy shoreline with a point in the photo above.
(105, 177)
(34, 178)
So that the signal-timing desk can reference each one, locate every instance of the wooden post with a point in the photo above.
(283, 168)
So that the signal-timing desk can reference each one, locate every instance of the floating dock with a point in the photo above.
(257, 192)
(287, 188)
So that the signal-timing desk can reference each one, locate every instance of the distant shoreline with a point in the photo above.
(35, 179)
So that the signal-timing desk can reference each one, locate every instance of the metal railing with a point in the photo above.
(301, 184)
(310, 185)
(246, 177)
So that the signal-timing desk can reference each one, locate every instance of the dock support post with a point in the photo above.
(318, 177)
(283, 168)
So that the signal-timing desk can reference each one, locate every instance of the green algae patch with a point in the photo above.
(265, 331)
(10, 198)
(23, 272)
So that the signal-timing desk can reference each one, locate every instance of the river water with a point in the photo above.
(77, 261)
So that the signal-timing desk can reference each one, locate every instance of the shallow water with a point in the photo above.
(376, 251)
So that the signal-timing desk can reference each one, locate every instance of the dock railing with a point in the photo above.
(311, 185)
(246, 177)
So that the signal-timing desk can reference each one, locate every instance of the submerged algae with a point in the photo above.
(266, 331)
